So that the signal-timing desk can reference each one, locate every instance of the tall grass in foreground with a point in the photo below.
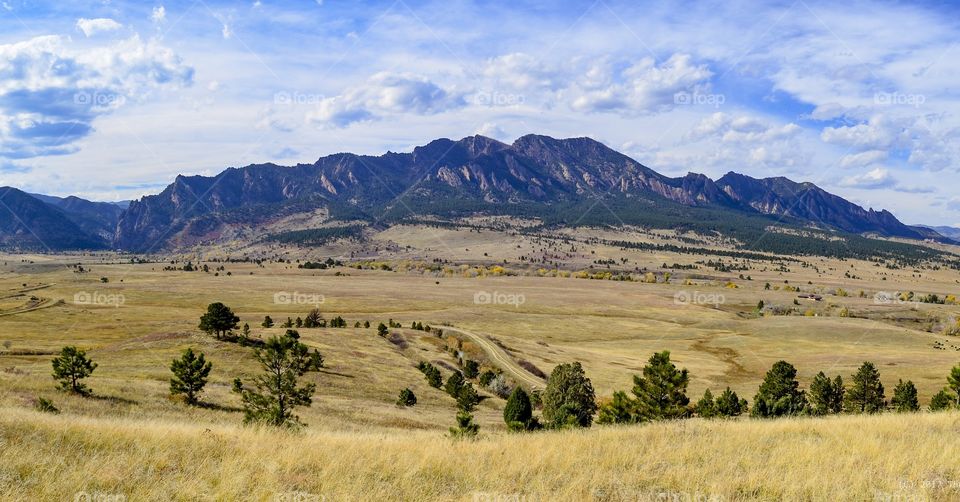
(887, 457)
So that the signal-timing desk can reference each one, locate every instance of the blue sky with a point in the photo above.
(111, 100)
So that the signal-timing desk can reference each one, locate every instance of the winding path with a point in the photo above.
(501, 358)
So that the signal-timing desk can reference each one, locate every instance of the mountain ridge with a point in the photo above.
(535, 175)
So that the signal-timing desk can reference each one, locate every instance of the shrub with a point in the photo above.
(471, 369)
(942, 400)
(465, 428)
(518, 412)
(407, 398)
(486, 377)
(569, 399)
(46, 406)
(72, 366)
(618, 410)
(190, 374)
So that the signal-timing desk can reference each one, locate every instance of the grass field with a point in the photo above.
(889, 457)
(358, 442)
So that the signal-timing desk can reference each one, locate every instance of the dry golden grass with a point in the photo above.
(888, 457)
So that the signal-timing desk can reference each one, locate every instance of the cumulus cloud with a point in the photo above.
(384, 94)
(877, 178)
(491, 130)
(51, 92)
(159, 14)
(91, 27)
(641, 88)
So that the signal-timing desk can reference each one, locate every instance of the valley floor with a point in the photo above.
(887, 457)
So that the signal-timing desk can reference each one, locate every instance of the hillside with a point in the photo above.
(888, 457)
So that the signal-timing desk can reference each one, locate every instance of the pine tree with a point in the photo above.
(190, 374)
(953, 380)
(661, 391)
(277, 391)
(569, 399)
(824, 395)
(866, 393)
(780, 393)
(382, 330)
(518, 412)
(465, 428)
(905, 397)
(467, 397)
(706, 407)
(620, 409)
(267, 322)
(471, 369)
(729, 404)
(942, 400)
(219, 320)
(71, 366)
(454, 383)
(407, 398)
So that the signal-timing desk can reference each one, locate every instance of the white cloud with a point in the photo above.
(641, 88)
(383, 94)
(863, 159)
(51, 91)
(159, 14)
(91, 27)
(877, 178)
(492, 130)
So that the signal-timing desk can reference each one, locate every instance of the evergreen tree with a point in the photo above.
(467, 397)
(569, 399)
(942, 400)
(866, 392)
(620, 409)
(313, 319)
(826, 396)
(953, 380)
(729, 404)
(905, 397)
(190, 374)
(407, 398)
(72, 366)
(661, 391)
(519, 411)
(267, 322)
(706, 407)
(465, 428)
(219, 320)
(471, 369)
(779, 394)
(277, 391)
(454, 383)
(382, 330)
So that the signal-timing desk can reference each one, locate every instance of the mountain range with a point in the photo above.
(559, 181)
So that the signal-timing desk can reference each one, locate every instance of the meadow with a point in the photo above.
(132, 439)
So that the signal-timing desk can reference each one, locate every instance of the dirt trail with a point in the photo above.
(501, 358)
